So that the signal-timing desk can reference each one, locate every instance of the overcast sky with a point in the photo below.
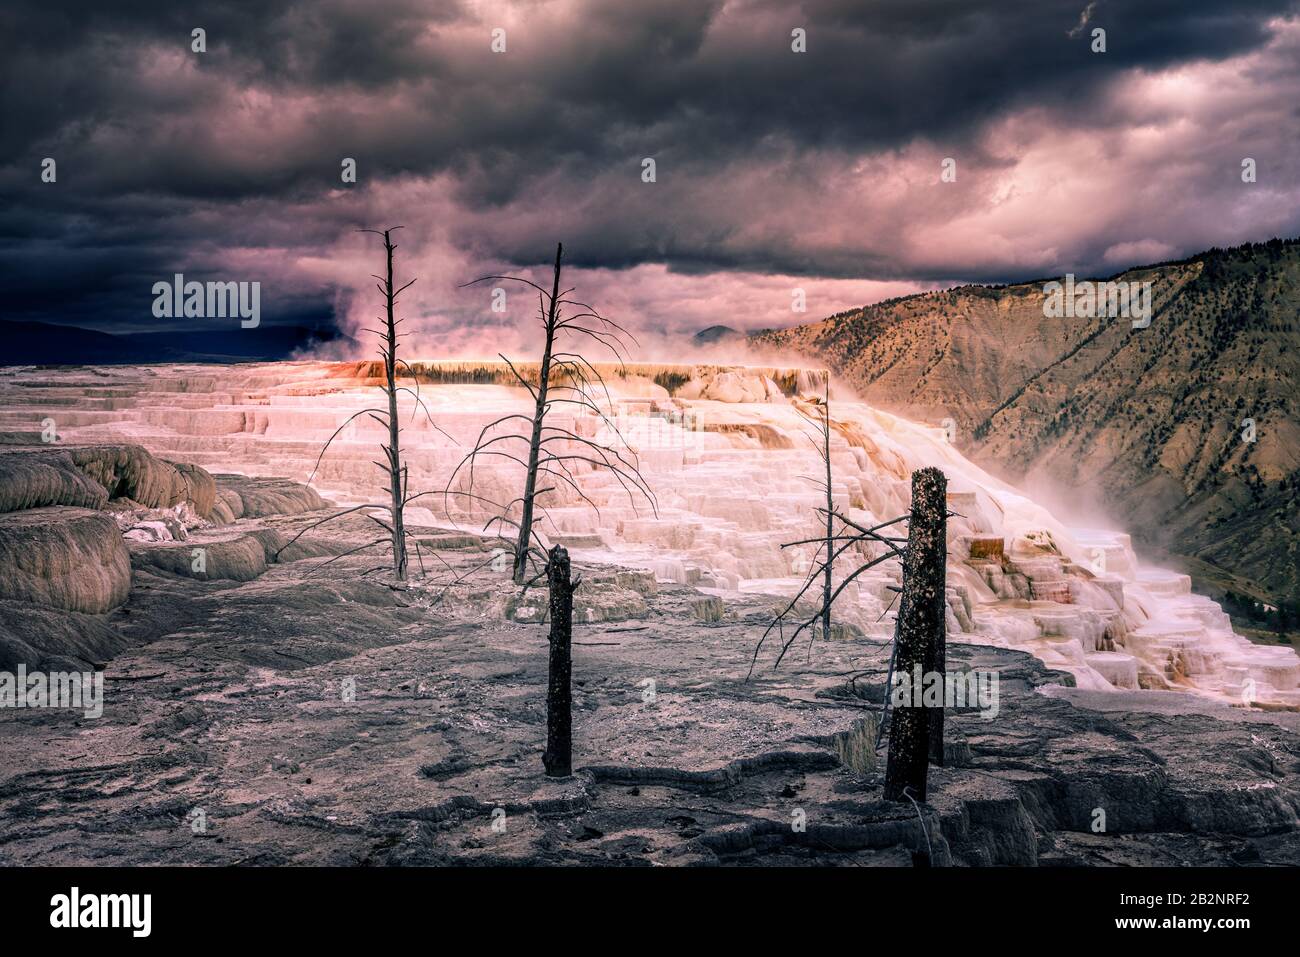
(775, 170)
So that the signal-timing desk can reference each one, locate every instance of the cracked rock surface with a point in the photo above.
(292, 712)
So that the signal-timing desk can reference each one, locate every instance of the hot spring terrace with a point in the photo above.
(730, 463)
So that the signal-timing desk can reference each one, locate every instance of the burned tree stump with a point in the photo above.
(920, 637)
(936, 662)
(558, 757)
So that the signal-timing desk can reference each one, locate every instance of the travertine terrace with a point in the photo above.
(729, 460)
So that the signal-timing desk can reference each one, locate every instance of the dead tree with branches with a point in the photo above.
(395, 471)
(920, 639)
(393, 450)
(828, 567)
(849, 538)
(555, 454)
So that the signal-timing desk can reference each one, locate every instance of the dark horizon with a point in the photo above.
(307, 336)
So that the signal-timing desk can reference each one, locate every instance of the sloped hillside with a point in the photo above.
(1144, 425)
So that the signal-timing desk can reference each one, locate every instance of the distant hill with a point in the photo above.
(41, 343)
(716, 334)
(1145, 425)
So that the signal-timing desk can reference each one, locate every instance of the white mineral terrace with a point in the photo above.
(730, 462)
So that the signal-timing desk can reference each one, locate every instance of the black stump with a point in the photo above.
(558, 757)
(916, 731)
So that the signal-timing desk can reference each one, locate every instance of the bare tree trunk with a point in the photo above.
(827, 573)
(393, 449)
(937, 660)
(920, 631)
(558, 757)
(535, 443)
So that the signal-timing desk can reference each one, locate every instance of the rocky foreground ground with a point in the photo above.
(275, 709)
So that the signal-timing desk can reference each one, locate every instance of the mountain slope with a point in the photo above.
(1142, 425)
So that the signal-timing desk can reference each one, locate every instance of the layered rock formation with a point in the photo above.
(315, 715)
(59, 548)
(728, 457)
(91, 475)
(76, 519)
(66, 558)
(1148, 425)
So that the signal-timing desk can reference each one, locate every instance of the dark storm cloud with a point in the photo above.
(768, 162)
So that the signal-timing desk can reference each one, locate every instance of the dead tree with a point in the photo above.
(850, 537)
(558, 757)
(920, 636)
(565, 378)
(393, 450)
(829, 565)
(937, 658)
(832, 545)
(388, 417)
